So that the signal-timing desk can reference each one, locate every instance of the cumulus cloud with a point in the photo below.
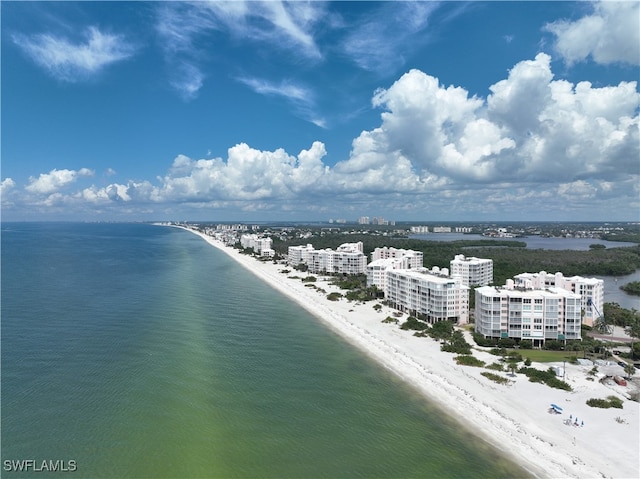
(52, 182)
(6, 185)
(247, 174)
(534, 140)
(529, 126)
(611, 34)
(70, 61)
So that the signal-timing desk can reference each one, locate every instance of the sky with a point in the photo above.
(310, 111)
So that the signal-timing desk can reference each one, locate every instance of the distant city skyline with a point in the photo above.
(293, 111)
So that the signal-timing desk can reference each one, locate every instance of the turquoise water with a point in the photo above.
(141, 351)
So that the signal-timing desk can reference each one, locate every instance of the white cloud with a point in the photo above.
(281, 24)
(379, 41)
(534, 143)
(301, 98)
(285, 89)
(528, 127)
(48, 183)
(72, 62)
(187, 79)
(611, 34)
(274, 24)
(6, 185)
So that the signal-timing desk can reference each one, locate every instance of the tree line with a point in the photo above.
(509, 257)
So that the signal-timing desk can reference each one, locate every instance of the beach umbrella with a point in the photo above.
(556, 407)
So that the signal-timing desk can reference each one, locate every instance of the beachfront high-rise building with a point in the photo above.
(383, 259)
(336, 262)
(351, 247)
(414, 258)
(347, 259)
(591, 290)
(428, 294)
(420, 229)
(536, 314)
(363, 220)
(298, 254)
(473, 271)
(259, 244)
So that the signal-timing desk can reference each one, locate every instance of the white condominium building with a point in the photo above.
(347, 259)
(591, 290)
(428, 294)
(383, 259)
(419, 229)
(536, 314)
(473, 271)
(260, 245)
(339, 262)
(413, 258)
(351, 247)
(298, 254)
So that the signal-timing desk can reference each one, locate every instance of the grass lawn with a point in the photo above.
(543, 356)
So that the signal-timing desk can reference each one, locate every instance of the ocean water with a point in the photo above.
(140, 351)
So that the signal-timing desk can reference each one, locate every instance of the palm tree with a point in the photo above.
(633, 330)
(629, 370)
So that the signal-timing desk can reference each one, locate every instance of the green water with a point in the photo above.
(141, 351)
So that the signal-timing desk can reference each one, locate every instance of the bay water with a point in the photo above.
(139, 351)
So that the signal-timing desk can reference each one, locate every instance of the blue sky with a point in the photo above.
(416, 111)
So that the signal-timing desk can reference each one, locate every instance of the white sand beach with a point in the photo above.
(514, 418)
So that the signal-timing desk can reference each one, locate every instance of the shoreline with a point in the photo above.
(514, 419)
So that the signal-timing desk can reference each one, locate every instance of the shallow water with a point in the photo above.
(141, 351)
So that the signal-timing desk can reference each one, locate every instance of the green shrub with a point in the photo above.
(611, 401)
(389, 319)
(480, 340)
(457, 344)
(547, 377)
(526, 344)
(469, 361)
(309, 279)
(496, 367)
(495, 378)
(553, 345)
(498, 351)
(334, 296)
(413, 323)
(506, 342)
